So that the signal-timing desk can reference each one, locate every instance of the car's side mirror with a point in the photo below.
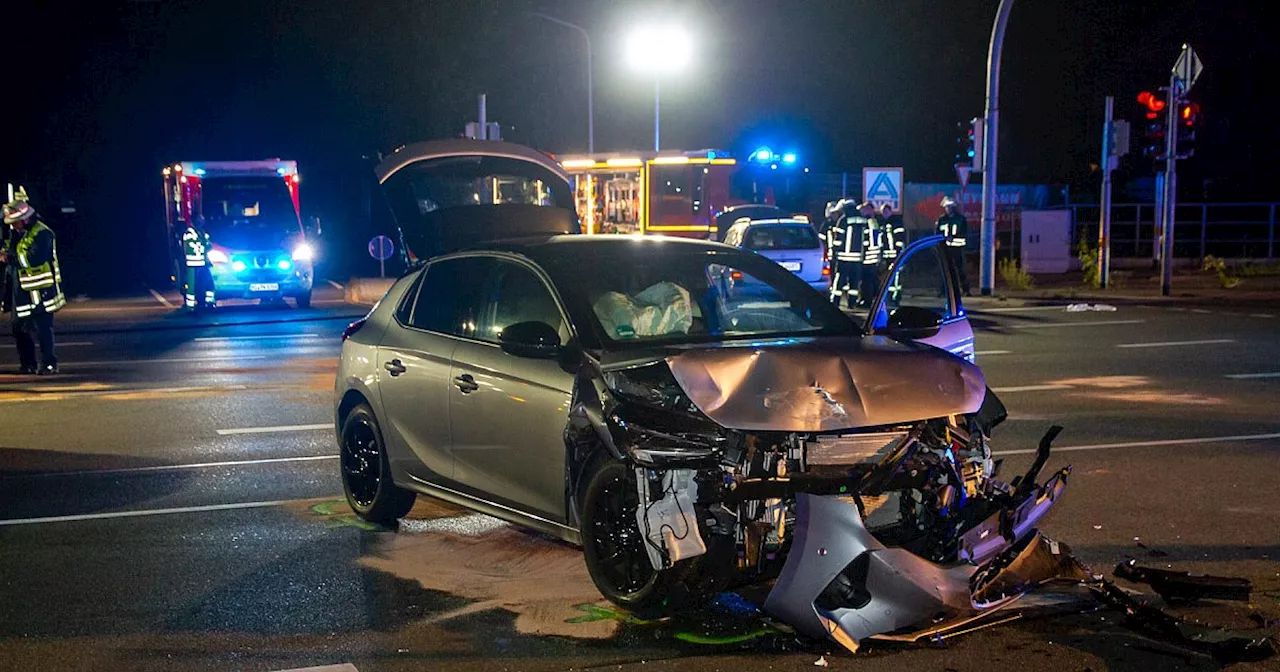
(913, 323)
(537, 340)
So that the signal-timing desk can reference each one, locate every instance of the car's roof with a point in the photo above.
(780, 221)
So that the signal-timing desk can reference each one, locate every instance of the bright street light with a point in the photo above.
(659, 50)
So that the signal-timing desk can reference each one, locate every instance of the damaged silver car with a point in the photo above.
(690, 413)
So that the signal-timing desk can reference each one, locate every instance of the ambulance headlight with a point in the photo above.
(303, 252)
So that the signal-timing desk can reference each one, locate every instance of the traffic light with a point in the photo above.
(1154, 129)
(969, 143)
(1188, 122)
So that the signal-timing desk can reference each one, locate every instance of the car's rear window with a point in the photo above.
(798, 237)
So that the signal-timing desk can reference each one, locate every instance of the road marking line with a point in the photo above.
(345, 667)
(1147, 444)
(166, 360)
(1250, 376)
(211, 339)
(172, 467)
(270, 430)
(160, 297)
(1018, 309)
(336, 285)
(112, 309)
(1055, 325)
(1261, 315)
(64, 394)
(1201, 311)
(151, 512)
(1163, 344)
(993, 352)
(1031, 388)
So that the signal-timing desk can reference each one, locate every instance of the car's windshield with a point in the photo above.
(651, 292)
(244, 202)
(793, 237)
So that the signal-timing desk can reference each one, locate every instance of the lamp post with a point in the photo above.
(658, 50)
(591, 114)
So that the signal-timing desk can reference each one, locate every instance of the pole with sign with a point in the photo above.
(381, 248)
(1185, 72)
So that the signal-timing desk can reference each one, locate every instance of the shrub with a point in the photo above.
(1013, 276)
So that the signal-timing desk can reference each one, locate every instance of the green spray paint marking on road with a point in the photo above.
(341, 516)
(595, 612)
(710, 640)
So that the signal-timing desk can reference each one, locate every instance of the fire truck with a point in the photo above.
(683, 194)
(259, 246)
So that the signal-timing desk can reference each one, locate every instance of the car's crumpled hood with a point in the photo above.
(825, 384)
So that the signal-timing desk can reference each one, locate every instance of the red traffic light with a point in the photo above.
(1189, 113)
(1154, 103)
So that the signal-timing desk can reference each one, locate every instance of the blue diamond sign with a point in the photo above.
(883, 185)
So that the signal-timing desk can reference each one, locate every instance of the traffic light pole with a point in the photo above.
(1170, 204)
(989, 151)
(1104, 219)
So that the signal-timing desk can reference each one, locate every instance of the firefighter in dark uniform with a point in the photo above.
(952, 224)
(844, 247)
(32, 285)
(872, 244)
(895, 236)
(197, 285)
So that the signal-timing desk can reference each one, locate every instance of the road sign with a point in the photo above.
(1188, 68)
(883, 185)
(381, 248)
(963, 170)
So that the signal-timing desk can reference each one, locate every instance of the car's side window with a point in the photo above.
(920, 281)
(522, 297)
(452, 298)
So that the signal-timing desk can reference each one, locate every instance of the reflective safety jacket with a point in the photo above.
(195, 245)
(955, 228)
(844, 239)
(35, 278)
(895, 237)
(872, 239)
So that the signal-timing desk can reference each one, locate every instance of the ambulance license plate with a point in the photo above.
(793, 266)
(264, 287)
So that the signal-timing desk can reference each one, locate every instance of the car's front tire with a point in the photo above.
(366, 471)
(613, 547)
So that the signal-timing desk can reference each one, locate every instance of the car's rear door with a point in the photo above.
(922, 277)
(508, 413)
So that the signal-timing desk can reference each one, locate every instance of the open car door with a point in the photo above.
(919, 300)
(447, 195)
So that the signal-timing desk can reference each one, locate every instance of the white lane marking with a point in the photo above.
(173, 467)
(1031, 388)
(1018, 309)
(992, 352)
(112, 309)
(160, 297)
(1168, 344)
(342, 667)
(61, 344)
(260, 337)
(1261, 315)
(1055, 325)
(151, 512)
(1148, 444)
(270, 430)
(1251, 376)
(166, 360)
(336, 285)
(1201, 311)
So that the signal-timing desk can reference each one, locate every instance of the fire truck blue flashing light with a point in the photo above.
(763, 155)
(789, 157)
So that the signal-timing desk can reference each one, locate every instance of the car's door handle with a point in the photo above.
(466, 383)
(396, 367)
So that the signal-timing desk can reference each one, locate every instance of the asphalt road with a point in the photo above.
(171, 501)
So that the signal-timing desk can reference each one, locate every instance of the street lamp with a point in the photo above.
(658, 50)
(591, 114)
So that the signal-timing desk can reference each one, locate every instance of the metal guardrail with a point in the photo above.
(1227, 230)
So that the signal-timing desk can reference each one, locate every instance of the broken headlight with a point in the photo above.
(652, 385)
(658, 422)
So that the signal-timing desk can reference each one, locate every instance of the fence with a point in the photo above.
(1227, 230)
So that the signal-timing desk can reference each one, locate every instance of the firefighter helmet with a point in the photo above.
(948, 202)
(16, 211)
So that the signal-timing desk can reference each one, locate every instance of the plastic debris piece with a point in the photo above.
(1185, 586)
(1085, 307)
(1097, 527)
(821, 662)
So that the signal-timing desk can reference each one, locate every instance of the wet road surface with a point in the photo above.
(172, 502)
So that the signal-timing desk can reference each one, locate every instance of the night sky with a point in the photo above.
(106, 96)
